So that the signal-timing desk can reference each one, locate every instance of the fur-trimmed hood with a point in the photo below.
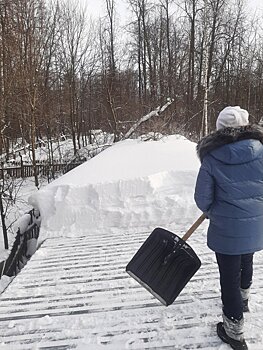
(227, 136)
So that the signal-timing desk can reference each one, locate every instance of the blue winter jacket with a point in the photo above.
(229, 188)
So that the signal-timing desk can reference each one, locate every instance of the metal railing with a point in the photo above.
(19, 253)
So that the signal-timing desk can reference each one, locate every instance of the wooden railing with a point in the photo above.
(42, 169)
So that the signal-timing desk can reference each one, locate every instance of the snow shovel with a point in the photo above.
(165, 263)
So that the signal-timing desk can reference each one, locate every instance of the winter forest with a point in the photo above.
(63, 72)
(122, 97)
(174, 64)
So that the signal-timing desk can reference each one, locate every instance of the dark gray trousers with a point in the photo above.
(236, 272)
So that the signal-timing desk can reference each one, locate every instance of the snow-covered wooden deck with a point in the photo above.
(75, 294)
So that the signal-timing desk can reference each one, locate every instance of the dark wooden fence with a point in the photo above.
(42, 169)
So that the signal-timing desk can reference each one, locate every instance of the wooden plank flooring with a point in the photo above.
(75, 294)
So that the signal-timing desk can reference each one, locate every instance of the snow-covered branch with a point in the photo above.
(159, 110)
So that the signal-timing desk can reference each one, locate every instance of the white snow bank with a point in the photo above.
(131, 184)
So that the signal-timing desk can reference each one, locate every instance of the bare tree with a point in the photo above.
(191, 9)
(9, 197)
(75, 43)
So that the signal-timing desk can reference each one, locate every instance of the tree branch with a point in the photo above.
(159, 110)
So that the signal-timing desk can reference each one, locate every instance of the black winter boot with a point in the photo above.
(235, 344)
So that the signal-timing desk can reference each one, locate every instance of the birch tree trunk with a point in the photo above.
(204, 130)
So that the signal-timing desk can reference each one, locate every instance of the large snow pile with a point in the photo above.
(133, 184)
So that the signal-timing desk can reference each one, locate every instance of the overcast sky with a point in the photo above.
(97, 7)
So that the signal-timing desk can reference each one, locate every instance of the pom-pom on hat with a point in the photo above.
(232, 117)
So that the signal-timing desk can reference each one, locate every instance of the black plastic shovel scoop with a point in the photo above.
(165, 263)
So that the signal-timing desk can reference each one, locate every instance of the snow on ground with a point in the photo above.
(129, 186)
(61, 150)
(76, 290)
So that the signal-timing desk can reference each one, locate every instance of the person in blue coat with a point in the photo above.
(229, 189)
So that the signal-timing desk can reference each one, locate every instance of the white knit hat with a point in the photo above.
(232, 117)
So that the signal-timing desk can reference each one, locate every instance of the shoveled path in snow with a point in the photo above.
(75, 293)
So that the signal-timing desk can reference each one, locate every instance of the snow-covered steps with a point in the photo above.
(75, 294)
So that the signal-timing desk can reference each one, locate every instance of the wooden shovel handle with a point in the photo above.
(194, 227)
